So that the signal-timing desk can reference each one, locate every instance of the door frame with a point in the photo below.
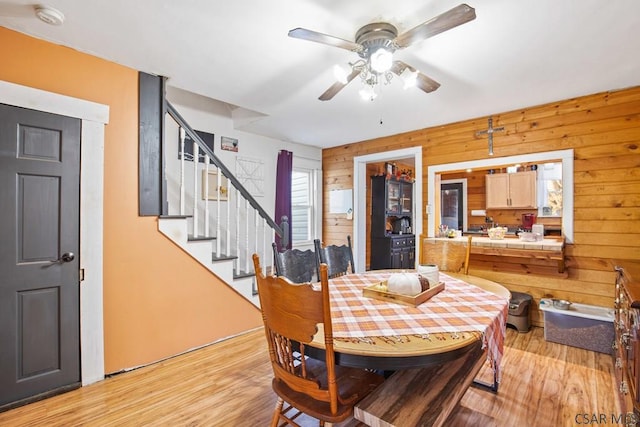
(94, 117)
(360, 186)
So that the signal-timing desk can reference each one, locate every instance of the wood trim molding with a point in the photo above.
(94, 116)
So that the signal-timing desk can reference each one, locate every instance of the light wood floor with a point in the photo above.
(228, 384)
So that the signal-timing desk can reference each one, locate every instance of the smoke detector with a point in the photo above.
(49, 15)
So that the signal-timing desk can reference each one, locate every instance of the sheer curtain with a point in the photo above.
(283, 194)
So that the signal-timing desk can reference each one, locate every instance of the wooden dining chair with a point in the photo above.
(296, 265)
(448, 255)
(339, 258)
(319, 388)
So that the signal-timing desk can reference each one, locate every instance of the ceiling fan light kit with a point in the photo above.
(376, 43)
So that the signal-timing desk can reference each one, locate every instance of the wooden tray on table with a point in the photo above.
(377, 291)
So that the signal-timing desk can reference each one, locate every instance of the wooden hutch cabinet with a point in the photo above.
(392, 240)
(511, 190)
(626, 346)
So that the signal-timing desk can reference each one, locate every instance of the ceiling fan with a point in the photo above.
(375, 44)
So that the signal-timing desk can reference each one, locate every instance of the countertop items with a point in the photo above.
(481, 241)
(551, 249)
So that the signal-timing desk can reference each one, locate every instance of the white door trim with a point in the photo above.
(360, 184)
(94, 116)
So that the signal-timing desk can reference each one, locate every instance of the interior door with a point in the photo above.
(39, 243)
(451, 205)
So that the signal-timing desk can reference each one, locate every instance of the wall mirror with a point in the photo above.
(558, 182)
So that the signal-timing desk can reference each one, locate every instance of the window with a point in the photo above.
(302, 206)
(550, 189)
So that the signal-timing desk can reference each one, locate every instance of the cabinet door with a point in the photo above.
(408, 258)
(511, 190)
(393, 197)
(497, 190)
(406, 203)
(396, 258)
(522, 189)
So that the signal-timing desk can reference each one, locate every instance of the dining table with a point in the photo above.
(430, 352)
(388, 336)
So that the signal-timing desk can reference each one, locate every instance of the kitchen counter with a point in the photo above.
(510, 242)
(547, 249)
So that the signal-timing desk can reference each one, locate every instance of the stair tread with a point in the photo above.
(174, 216)
(199, 238)
(222, 257)
(242, 274)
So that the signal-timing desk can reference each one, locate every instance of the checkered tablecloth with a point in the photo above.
(460, 307)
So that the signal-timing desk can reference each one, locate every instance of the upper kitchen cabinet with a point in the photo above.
(511, 190)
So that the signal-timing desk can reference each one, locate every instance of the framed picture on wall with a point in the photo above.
(229, 144)
(214, 191)
(208, 139)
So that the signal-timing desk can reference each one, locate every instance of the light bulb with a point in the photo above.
(367, 93)
(410, 78)
(381, 60)
(341, 74)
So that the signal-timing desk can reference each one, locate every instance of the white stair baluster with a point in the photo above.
(205, 191)
(218, 194)
(255, 234)
(181, 171)
(228, 239)
(237, 233)
(264, 245)
(246, 235)
(196, 155)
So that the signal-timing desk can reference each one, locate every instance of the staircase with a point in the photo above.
(212, 216)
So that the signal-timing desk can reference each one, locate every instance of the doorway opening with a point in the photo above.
(453, 204)
(360, 187)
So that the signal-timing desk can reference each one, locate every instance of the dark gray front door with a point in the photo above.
(39, 269)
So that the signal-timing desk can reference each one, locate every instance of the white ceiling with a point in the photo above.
(516, 53)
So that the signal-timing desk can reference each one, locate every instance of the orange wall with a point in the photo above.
(158, 302)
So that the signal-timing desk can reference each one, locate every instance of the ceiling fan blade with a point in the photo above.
(337, 87)
(445, 21)
(304, 34)
(423, 82)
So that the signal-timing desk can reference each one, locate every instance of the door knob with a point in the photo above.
(67, 257)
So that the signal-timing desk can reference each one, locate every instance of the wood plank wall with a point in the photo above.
(604, 131)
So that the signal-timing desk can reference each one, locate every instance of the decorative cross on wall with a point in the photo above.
(490, 132)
